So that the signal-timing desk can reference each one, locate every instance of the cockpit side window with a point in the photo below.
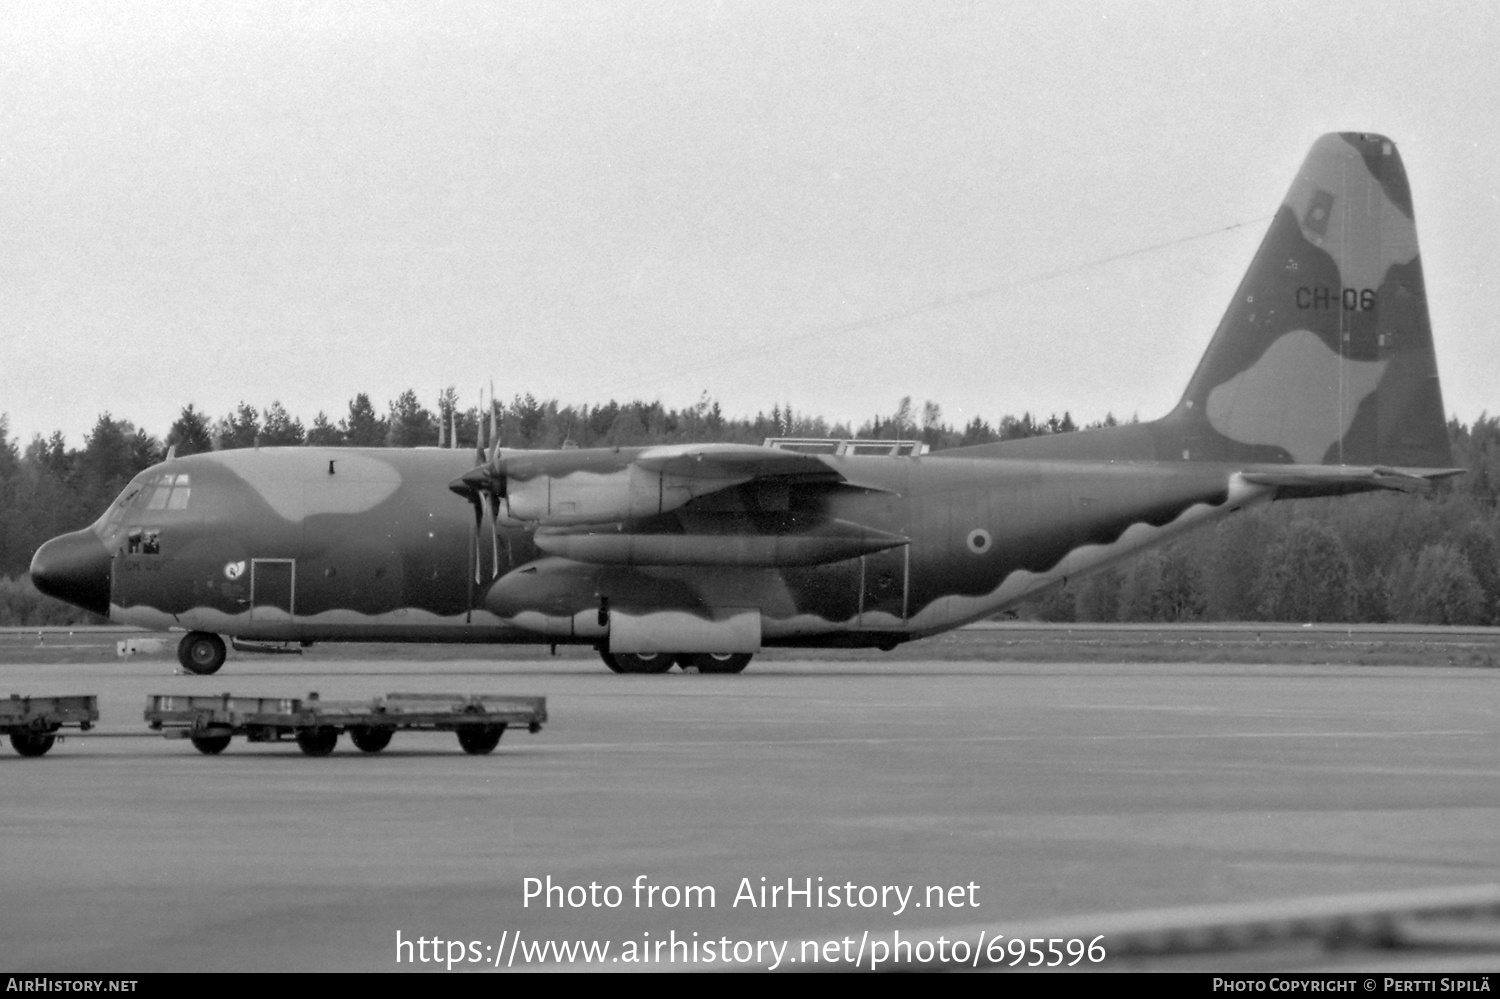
(116, 511)
(143, 541)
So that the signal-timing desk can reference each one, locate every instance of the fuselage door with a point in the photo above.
(273, 584)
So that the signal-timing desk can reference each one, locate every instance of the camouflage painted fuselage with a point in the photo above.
(334, 544)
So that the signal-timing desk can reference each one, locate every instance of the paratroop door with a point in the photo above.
(272, 589)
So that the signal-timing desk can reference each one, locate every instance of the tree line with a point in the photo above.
(1431, 558)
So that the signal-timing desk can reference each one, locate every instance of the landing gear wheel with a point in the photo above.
(317, 741)
(643, 662)
(611, 662)
(201, 652)
(478, 740)
(32, 743)
(717, 662)
(209, 745)
(370, 739)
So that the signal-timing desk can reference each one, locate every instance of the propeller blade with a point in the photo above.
(494, 504)
(478, 523)
(479, 428)
(473, 557)
(494, 425)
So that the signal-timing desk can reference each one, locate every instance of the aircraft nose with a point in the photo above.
(75, 568)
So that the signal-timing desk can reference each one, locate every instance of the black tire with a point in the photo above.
(32, 743)
(209, 745)
(371, 739)
(611, 662)
(717, 662)
(317, 741)
(478, 740)
(201, 652)
(643, 662)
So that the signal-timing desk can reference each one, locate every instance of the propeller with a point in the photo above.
(483, 486)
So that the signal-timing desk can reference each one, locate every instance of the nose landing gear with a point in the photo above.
(201, 652)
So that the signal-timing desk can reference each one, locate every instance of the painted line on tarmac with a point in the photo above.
(888, 740)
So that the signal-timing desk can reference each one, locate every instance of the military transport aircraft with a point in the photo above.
(1319, 381)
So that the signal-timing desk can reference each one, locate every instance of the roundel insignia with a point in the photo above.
(979, 541)
(234, 570)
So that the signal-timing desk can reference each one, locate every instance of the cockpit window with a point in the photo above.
(116, 511)
(160, 492)
(167, 492)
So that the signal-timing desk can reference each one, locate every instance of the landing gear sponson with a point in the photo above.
(660, 662)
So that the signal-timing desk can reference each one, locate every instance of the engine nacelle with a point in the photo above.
(581, 497)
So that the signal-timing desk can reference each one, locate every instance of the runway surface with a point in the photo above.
(1053, 790)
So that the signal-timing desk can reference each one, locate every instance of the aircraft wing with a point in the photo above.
(607, 485)
(745, 461)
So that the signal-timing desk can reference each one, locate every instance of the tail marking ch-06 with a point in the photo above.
(1319, 381)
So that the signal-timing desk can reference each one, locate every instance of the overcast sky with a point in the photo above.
(831, 205)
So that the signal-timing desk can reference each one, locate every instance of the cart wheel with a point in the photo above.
(317, 741)
(209, 745)
(717, 662)
(370, 739)
(478, 740)
(201, 652)
(643, 662)
(37, 743)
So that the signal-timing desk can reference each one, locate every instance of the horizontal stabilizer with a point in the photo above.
(1327, 480)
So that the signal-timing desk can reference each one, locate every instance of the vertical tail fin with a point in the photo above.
(1325, 354)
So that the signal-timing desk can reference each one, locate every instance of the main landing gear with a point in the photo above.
(716, 662)
(660, 662)
(638, 662)
(201, 652)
